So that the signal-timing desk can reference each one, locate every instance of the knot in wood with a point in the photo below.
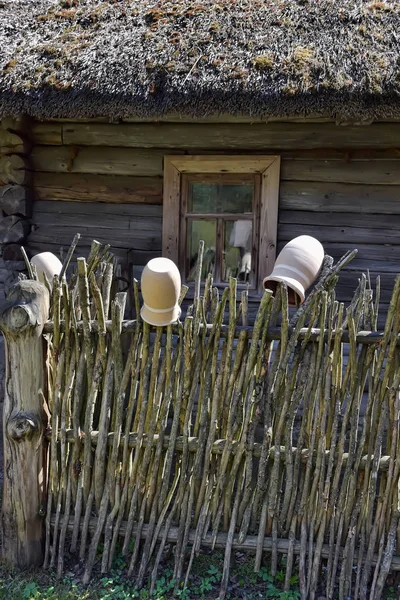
(19, 317)
(23, 426)
(27, 307)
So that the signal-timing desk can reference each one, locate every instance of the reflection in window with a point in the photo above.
(206, 231)
(220, 212)
(237, 250)
(216, 198)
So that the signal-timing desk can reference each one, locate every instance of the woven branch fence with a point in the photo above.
(211, 433)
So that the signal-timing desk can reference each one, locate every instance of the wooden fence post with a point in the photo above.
(21, 320)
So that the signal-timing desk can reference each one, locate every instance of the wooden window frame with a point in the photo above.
(267, 167)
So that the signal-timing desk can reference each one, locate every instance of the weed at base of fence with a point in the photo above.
(203, 585)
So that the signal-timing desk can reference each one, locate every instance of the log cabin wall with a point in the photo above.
(340, 184)
(15, 209)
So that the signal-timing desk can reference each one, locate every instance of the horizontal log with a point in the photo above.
(378, 252)
(225, 136)
(220, 540)
(274, 333)
(383, 172)
(60, 249)
(349, 279)
(97, 188)
(87, 210)
(348, 219)
(141, 230)
(218, 447)
(13, 170)
(339, 197)
(13, 229)
(181, 118)
(14, 200)
(227, 118)
(106, 161)
(148, 163)
(46, 133)
(44, 236)
(114, 224)
(383, 258)
(377, 265)
(123, 226)
(343, 234)
(173, 117)
(346, 294)
(348, 282)
(122, 213)
(319, 153)
(379, 258)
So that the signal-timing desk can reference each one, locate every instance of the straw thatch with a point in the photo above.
(86, 58)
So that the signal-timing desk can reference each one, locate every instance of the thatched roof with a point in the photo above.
(120, 58)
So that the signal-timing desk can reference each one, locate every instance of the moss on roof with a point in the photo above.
(119, 58)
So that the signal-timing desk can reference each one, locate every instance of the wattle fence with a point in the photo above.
(209, 433)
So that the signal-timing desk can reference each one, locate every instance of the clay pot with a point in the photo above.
(46, 263)
(161, 288)
(297, 265)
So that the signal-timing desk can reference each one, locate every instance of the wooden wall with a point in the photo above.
(339, 184)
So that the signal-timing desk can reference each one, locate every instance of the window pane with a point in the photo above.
(220, 198)
(237, 250)
(196, 231)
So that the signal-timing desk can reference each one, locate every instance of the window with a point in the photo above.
(230, 202)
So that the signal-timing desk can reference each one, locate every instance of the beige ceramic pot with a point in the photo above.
(46, 263)
(161, 287)
(297, 265)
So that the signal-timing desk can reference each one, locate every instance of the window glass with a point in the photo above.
(228, 240)
(237, 250)
(206, 230)
(216, 198)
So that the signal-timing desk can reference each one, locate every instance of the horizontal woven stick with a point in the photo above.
(274, 333)
(220, 541)
(217, 447)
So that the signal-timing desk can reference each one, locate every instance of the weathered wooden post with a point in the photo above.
(21, 320)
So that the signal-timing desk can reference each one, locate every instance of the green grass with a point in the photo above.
(203, 585)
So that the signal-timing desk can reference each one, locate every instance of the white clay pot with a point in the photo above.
(48, 264)
(298, 265)
(161, 288)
